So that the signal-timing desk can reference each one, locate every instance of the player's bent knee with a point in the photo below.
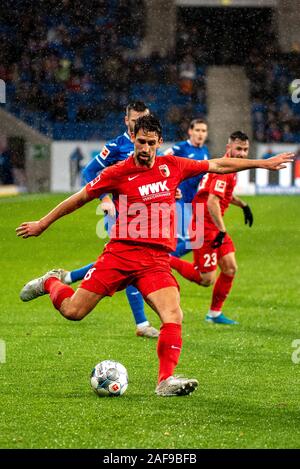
(231, 270)
(172, 315)
(73, 314)
(207, 281)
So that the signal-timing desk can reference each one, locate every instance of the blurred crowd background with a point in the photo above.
(71, 68)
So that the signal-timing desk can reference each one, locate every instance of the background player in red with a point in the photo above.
(144, 181)
(216, 193)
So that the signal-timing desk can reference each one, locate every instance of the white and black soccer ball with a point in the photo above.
(109, 378)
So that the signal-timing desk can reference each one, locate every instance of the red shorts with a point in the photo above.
(206, 258)
(122, 264)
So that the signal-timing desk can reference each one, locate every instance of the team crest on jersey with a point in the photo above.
(164, 170)
(104, 153)
(220, 186)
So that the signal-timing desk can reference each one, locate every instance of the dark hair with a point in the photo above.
(197, 121)
(238, 135)
(138, 106)
(150, 123)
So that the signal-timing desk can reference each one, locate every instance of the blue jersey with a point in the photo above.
(186, 150)
(114, 151)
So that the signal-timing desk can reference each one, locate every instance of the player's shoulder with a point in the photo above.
(178, 146)
(118, 167)
(114, 171)
(205, 151)
(224, 177)
(221, 181)
(168, 159)
(116, 142)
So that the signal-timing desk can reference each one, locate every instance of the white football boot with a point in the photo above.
(35, 288)
(176, 386)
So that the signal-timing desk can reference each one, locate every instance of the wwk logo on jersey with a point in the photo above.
(220, 186)
(164, 170)
(104, 153)
(153, 188)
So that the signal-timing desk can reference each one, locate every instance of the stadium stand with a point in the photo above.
(275, 117)
(70, 69)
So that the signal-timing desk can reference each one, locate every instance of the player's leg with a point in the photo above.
(77, 274)
(181, 248)
(184, 214)
(202, 271)
(135, 299)
(72, 305)
(136, 302)
(222, 287)
(186, 269)
(166, 302)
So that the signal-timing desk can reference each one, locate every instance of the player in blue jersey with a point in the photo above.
(193, 148)
(114, 151)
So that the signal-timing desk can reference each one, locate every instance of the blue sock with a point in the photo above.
(136, 302)
(78, 274)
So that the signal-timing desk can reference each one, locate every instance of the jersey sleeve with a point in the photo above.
(190, 168)
(91, 170)
(102, 184)
(218, 185)
(109, 154)
(107, 157)
(176, 150)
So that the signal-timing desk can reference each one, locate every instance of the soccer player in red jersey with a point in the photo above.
(216, 193)
(138, 252)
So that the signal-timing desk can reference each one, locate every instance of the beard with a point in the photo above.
(144, 159)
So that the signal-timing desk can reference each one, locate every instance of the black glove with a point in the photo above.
(248, 215)
(218, 239)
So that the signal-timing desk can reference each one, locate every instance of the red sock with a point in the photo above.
(58, 291)
(221, 289)
(168, 349)
(186, 269)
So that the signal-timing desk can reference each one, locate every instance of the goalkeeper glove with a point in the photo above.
(218, 239)
(248, 215)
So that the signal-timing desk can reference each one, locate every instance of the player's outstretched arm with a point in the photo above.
(232, 165)
(35, 228)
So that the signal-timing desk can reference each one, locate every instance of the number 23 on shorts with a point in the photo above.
(210, 259)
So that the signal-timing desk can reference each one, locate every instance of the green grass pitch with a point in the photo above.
(249, 386)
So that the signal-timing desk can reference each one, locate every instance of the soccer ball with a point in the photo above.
(109, 378)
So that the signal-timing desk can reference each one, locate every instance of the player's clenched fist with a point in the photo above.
(30, 228)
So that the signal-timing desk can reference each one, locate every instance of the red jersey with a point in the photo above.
(221, 185)
(145, 197)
